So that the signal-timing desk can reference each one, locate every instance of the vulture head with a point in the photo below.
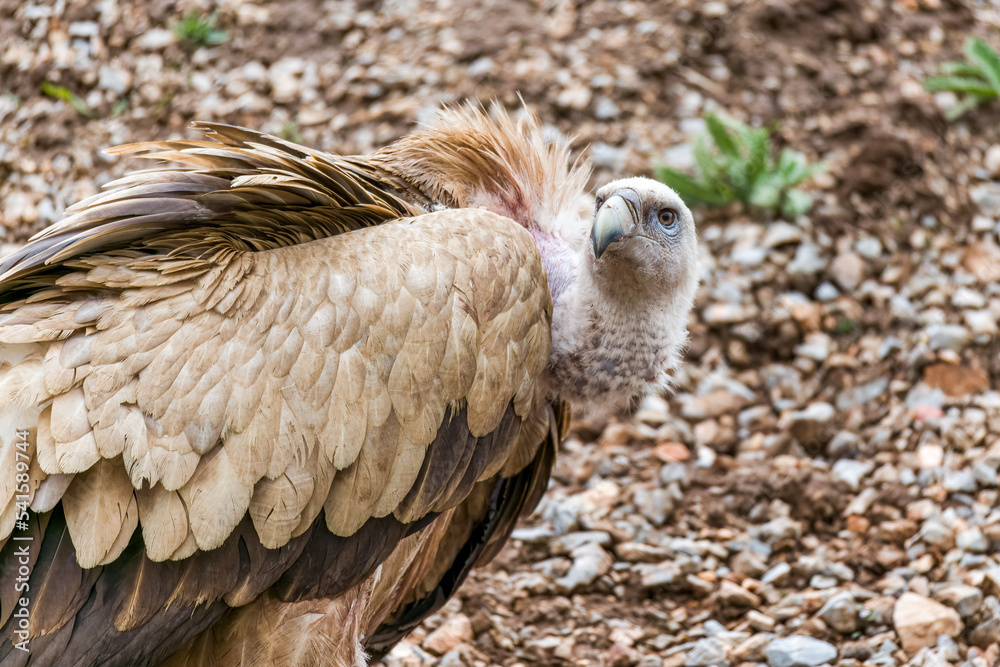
(622, 281)
(646, 231)
(620, 322)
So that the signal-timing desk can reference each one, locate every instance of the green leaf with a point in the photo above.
(962, 84)
(735, 125)
(967, 103)
(796, 167)
(980, 53)
(792, 167)
(738, 179)
(816, 168)
(691, 191)
(766, 191)
(758, 143)
(64, 94)
(120, 107)
(710, 167)
(720, 135)
(960, 68)
(796, 203)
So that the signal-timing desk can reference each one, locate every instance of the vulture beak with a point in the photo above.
(616, 220)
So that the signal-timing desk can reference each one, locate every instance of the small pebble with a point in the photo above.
(799, 651)
(841, 613)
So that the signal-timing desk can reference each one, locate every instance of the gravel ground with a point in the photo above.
(822, 487)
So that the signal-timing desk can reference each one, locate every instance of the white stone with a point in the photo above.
(847, 271)
(201, 82)
(841, 613)
(992, 160)
(254, 71)
(84, 29)
(155, 39)
(776, 573)
(929, 455)
(605, 109)
(117, 80)
(781, 233)
(749, 256)
(653, 410)
(826, 292)
(455, 631)
(574, 96)
(851, 471)
(680, 157)
(973, 541)
(966, 600)
(820, 412)
(947, 336)
(799, 651)
(728, 313)
(919, 621)
(817, 346)
(981, 322)
(982, 223)
(590, 561)
(967, 298)
(707, 652)
(714, 9)
(869, 247)
(987, 197)
(284, 77)
(808, 261)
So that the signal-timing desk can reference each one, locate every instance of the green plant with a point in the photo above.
(741, 167)
(977, 79)
(846, 326)
(62, 93)
(120, 107)
(198, 30)
(290, 132)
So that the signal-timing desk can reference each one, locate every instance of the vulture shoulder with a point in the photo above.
(262, 371)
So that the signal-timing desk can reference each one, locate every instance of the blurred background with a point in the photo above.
(822, 486)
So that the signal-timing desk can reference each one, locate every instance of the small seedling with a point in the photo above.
(162, 104)
(290, 132)
(846, 326)
(62, 93)
(198, 30)
(741, 167)
(977, 79)
(120, 107)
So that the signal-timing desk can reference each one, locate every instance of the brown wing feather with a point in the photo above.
(473, 535)
(245, 189)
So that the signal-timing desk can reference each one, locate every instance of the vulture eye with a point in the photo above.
(668, 217)
(600, 203)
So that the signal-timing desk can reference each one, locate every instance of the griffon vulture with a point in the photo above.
(270, 406)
